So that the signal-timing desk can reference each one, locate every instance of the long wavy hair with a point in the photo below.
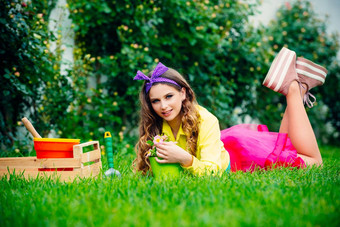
(151, 124)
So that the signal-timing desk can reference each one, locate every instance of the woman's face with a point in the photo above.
(167, 102)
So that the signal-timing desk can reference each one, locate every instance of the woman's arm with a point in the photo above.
(209, 158)
(171, 153)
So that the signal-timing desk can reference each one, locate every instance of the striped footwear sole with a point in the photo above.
(311, 70)
(278, 70)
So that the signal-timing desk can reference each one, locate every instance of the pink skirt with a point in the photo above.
(252, 146)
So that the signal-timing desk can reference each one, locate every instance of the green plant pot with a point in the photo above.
(165, 170)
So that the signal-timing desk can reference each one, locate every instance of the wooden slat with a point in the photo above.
(74, 172)
(94, 143)
(77, 151)
(62, 175)
(34, 162)
(28, 162)
(90, 156)
(91, 170)
(35, 172)
(59, 163)
(18, 171)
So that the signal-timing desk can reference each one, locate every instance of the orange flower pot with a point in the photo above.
(54, 148)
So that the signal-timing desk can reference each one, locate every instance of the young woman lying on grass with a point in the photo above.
(169, 106)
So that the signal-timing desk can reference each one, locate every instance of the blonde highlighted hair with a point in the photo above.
(151, 124)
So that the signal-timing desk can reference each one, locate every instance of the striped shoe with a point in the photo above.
(282, 72)
(310, 74)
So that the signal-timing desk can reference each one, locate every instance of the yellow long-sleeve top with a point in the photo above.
(211, 156)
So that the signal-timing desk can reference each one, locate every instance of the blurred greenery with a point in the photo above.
(212, 43)
(31, 82)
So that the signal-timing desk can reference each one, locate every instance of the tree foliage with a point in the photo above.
(210, 42)
(207, 41)
(31, 83)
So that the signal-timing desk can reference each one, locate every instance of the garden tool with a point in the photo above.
(109, 152)
(30, 127)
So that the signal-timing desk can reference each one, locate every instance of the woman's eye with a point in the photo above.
(169, 96)
(154, 101)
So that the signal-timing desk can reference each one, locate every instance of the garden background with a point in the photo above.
(213, 44)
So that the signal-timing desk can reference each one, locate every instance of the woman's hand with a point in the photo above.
(171, 153)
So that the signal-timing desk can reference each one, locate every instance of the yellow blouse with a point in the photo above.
(211, 156)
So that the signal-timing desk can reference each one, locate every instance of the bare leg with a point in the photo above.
(299, 128)
(285, 118)
(284, 123)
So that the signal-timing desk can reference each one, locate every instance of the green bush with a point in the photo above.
(31, 84)
(207, 41)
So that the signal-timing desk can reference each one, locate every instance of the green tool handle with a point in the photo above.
(109, 149)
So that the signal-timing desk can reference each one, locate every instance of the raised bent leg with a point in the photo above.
(284, 123)
(285, 118)
(300, 130)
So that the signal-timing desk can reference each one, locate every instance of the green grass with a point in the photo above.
(309, 197)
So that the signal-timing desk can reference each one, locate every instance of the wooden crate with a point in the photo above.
(28, 166)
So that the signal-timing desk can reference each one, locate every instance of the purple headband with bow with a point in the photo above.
(155, 77)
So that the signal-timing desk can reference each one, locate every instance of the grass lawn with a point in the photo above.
(309, 197)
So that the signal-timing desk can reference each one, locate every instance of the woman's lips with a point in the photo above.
(167, 113)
